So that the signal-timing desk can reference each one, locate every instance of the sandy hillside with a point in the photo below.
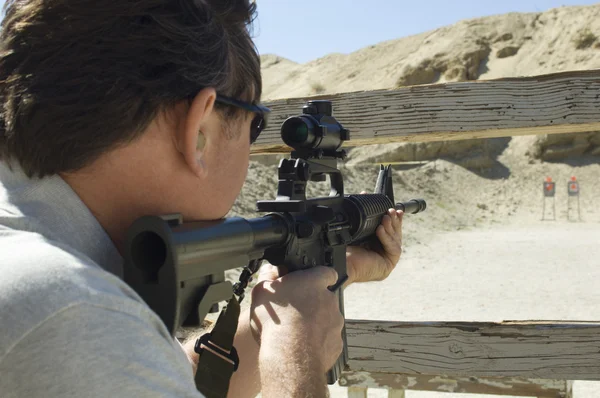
(484, 48)
(480, 251)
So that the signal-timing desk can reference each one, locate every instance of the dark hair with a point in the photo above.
(80, 77)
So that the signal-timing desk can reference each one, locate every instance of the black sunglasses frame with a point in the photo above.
(259, 123)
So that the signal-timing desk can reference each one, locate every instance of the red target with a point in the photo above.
(573, 187)
(549, 188)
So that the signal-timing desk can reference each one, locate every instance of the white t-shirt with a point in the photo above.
(70, 326)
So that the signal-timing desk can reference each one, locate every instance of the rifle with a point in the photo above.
(179, 268)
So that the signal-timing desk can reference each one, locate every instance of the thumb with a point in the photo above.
(268, 272)
(325, 276)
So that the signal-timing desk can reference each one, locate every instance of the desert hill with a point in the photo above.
(507, 45)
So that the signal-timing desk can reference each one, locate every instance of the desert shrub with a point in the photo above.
(585, 38)
(317, 88)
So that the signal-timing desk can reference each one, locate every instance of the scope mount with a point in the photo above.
(309, 164)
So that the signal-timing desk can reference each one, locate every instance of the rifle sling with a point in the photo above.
(214, 372)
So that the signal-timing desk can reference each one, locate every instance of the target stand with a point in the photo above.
(549, 193)
(573, 198)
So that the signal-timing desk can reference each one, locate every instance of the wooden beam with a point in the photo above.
(513, 386)
(538, 350)
(566, 102)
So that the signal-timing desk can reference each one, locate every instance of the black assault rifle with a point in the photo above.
(178, 268)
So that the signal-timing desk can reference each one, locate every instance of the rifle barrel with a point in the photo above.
(413, 206)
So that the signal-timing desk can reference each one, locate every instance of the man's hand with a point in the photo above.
(365, 265)
(298, 310)
(299, 324)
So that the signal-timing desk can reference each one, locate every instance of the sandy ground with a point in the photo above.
(541, 271)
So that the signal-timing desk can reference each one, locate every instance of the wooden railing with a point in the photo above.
(536, 357)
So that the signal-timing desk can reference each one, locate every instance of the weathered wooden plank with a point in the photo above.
(469, 385)
(566, 102)
(539, 350)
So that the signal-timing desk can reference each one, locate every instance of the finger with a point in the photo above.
(325, 276)
(397, 222)
(386, 239)
(364, 193)
(399, 216)
(395, 216)
(387, 224)
(391, 244)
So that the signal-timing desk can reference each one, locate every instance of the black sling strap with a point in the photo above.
(214, 372)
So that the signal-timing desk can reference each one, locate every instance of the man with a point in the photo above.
(112, 110)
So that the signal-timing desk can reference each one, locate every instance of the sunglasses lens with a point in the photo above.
(257, 126)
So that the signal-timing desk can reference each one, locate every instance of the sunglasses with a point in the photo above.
(259, 123)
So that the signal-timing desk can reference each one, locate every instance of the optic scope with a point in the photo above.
(315, 129)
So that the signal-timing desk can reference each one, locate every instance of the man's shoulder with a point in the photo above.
(69, 328)
(42, 277)
(36, 265)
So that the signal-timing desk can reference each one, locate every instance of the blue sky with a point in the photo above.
(303, 30)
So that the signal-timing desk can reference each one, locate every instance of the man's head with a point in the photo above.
(109, 86)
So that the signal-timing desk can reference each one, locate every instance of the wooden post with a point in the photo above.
(396, 394)
(357, 392)
(569, 388)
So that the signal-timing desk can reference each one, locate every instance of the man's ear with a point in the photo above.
(192, 141)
